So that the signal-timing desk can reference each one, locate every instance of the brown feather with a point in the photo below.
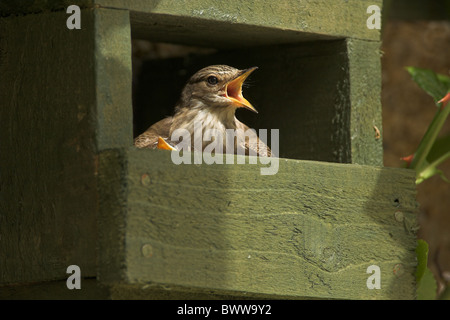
(149, 139)
(255, 144)
(206, 104)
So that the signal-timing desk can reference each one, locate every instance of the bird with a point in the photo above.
(210, 97)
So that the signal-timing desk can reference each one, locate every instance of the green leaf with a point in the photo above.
(429, 138)
(427, 287)
(444, 79)
(436, 86)
(432, 169)
(426, 283)
(422, 258)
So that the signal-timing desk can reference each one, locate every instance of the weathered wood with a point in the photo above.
(47, 157)
(364, 90)
(22, 7)
(114, 117)
(255, 23)
(64, 94)
(311, 230)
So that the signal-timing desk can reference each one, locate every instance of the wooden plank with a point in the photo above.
(249, 24)
(310, 231)
(47, 156)
(22, 7)
(64, 95)
(364, 90)
(255, 23)
(114, 118)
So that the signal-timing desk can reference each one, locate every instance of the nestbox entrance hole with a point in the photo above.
(302, 89)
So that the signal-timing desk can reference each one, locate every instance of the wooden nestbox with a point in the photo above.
(75, 191)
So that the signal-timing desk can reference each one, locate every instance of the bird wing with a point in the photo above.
(253, 143)
(149, 139)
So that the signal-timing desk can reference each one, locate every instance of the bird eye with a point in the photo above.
(212, 80)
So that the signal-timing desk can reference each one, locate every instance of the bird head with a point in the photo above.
(218, 86)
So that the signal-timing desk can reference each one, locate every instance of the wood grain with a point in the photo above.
(311, 230)
(64, 95)
(47, 157)
(255, 23)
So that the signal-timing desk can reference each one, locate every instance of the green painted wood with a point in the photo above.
(114, 118)
(310, 231)
(47, 150)
(364, 90)
(64, 95)
(22, 7)
(255, 23)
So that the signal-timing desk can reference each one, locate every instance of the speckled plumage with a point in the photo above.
(212, 105)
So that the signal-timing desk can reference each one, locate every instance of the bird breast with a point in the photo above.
(217, 120)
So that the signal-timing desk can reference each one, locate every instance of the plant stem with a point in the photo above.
(419, 161)
(431, 170)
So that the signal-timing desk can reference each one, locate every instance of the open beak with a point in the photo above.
(233, 90)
